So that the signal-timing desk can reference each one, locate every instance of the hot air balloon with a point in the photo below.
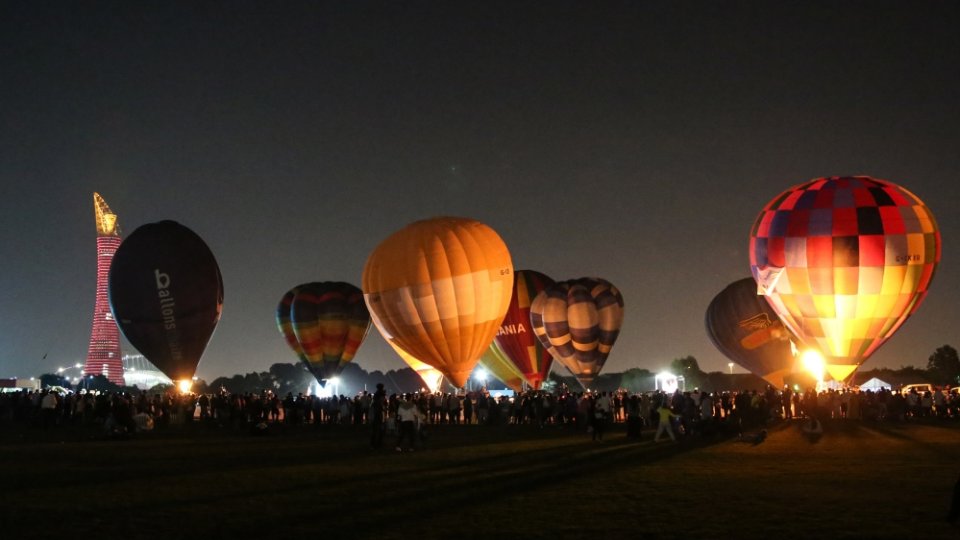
(578, 321)
(438, 289)
(500, 366)
(743, 326)
(844, 261)
(330, 321)
(166, 294)
(430, 375)
(515, 337)
(285, 325)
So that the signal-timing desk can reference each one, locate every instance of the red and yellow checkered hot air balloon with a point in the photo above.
(438, 290)
(844, 261)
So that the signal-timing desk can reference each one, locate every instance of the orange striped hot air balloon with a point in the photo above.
(438, 289)
(844, 261)
(330, 321)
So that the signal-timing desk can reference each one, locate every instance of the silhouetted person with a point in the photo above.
(377, 408)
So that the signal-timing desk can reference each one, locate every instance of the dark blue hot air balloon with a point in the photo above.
(166, 294)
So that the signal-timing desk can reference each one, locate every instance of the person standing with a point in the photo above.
(375, 414)
(407, 414)
(600, 412)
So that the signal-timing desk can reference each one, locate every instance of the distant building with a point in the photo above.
(18, 385)
(139, 372)
(103, 352)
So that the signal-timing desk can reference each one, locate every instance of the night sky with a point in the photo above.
(633, 141)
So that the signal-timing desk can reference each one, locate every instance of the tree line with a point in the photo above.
(943, 369)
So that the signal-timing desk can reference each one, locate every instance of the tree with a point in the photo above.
(53, 379)
(637, 380)
(688, 368)
(943, 366)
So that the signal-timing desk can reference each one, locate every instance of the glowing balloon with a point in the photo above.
(330, 321)
(438, 289)
(166, 294)
(743, 326)
(500, 366)
(516, 338)
(430, 375)
(844, 261)
(578, 321)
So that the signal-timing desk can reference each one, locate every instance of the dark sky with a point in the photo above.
(634, 141)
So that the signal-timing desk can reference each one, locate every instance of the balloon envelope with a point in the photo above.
(844, 261)
(330, 321)
(285, 325)
(743, 326)
(438, 289)
(578, 321)
(500, 366)
(515, 338)
(166, 294)
(431, 376)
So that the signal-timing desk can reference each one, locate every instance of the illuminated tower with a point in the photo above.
(103, 354)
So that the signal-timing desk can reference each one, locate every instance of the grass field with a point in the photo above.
(859, 481)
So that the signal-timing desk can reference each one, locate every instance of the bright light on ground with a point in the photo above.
(667, 382)
(184, 386)
(814, 363)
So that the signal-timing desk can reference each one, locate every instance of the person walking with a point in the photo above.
(664, 425)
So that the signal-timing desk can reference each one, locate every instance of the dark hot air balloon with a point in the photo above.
(166, 294)
(743, 326)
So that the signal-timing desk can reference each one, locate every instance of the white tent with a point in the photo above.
(875, 385)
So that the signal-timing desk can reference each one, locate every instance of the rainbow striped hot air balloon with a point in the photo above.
(844, 261)
(330, 321)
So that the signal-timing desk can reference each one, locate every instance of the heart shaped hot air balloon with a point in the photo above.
(166, 295)
(516, 338)
(578, 321)
(844, 261)
(743, 326)
(438, 290)
(330, 321)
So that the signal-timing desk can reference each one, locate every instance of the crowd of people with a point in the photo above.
(673, 414)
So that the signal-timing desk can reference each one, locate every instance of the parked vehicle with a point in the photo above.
(920, 388)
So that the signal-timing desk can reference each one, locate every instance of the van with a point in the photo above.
(920, 388)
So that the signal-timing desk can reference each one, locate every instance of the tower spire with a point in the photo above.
(106, 220)
(103, 352)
